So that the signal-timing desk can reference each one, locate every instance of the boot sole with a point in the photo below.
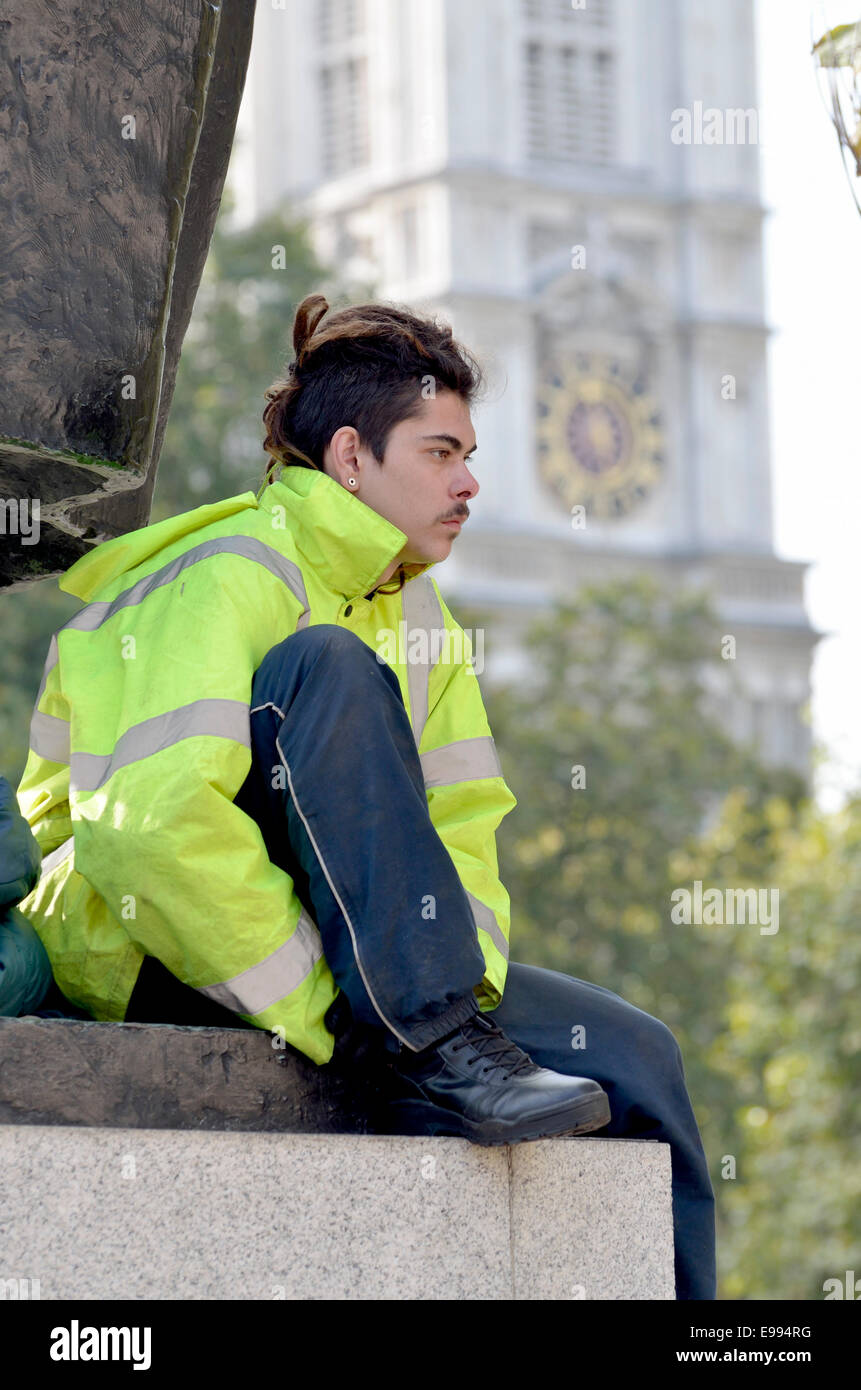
(421, 1117)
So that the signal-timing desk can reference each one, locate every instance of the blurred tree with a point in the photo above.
(29, 617)
(616, 701)
(616, 687)
(789, 1039)
(238, 342)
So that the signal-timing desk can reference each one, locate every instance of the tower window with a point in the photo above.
(342, 85)
(343, 115)
(569, 82)
(339, 19)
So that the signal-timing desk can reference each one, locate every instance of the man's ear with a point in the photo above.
(343, 453)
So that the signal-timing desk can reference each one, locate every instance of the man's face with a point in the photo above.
(424, 479)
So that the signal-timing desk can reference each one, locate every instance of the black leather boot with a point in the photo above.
(477, 1084)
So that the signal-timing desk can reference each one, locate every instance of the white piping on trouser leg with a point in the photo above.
(337, 898)
(268, 705)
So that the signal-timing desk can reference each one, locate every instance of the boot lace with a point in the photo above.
(491, 1044)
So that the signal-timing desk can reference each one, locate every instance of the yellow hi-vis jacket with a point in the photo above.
(140, 741)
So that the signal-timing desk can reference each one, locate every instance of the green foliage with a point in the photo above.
(29, 618)
(617, 684)
(791, 1032)
(840, 47)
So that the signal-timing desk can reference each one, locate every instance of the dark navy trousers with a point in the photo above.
(337, 789)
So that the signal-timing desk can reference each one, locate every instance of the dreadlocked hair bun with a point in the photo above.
(308, 315)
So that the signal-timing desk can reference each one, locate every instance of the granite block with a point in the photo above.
(592, 1218)
(99, 1213)
(131, 1214)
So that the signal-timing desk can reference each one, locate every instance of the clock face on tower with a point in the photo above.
(600, 440)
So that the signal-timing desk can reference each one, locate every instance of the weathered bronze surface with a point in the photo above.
(156, 1076)
(116, 124)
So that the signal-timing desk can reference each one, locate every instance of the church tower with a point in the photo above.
(575, 187)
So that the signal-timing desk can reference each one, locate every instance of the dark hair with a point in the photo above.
(367, 366)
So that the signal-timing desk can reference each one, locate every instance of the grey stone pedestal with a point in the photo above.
(181, 1163)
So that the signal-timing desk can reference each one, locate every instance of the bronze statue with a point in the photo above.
(117, 124)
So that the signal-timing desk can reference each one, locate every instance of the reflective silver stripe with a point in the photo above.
(486, 920)
(50, 862)
(464, 761)
(220, 718)
(275, 977)
(248, 547)
(49, 737)
(421, 609)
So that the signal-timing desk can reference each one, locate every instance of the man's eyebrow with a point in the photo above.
(450, 439)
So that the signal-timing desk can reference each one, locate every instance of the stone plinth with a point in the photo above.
(150, 1161)
(177, 1214)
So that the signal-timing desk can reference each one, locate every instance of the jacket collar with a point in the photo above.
(342, 539)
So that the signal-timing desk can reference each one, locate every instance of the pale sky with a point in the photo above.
(813, 285)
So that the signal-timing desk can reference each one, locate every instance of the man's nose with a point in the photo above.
(468, 485)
